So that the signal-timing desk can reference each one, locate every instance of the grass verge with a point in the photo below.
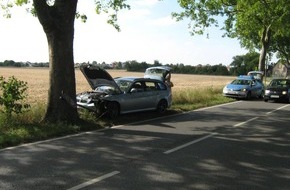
(191, 99)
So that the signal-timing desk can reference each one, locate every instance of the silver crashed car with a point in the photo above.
(122, 95)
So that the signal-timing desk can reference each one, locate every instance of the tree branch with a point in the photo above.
(42, 11)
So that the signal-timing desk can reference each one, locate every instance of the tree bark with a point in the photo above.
(265, 39)
(58, 24)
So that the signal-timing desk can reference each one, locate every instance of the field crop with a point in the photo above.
(38, 81)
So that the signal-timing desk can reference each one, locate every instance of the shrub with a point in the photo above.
(12, 95)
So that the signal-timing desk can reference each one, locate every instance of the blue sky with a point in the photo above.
(148, 33)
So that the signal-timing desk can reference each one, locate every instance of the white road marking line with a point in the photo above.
(245, 122)
(94, 180)
(210, 135)
(276, 109)
(189, 143)
(270, 112)
(215, 106)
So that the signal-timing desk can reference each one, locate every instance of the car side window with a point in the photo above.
(161, 86)
(137, 87)
(150, 86)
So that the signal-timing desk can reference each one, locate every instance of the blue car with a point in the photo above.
(244, 87)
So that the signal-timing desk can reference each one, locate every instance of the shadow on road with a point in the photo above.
(254, 156)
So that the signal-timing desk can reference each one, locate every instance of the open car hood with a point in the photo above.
(97, 76)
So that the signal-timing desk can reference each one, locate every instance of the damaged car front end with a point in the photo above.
(102, 84)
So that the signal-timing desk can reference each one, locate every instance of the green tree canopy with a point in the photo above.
(255, 23)
(242, 64)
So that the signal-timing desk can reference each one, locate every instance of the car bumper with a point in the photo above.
(276, 97)
(88, 106)
(235, 94)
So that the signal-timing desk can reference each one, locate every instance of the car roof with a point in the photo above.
(256, 72)
(246, 77)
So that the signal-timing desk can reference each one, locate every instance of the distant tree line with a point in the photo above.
(240, 65)
(11, 63)
(180, 68)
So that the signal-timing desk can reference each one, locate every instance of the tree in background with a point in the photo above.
(242, 64)
(254, 23)
(282, 46)
(57, 18)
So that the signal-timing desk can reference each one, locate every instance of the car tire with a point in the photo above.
(261, 95)
(265, 100)
(249, 95)
(113, 110)
(162, 106)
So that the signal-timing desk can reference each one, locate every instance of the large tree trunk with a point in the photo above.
(265, 39)
(58, 25)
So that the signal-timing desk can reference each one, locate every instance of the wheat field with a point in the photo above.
(37, 81)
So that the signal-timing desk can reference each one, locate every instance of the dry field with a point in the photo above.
(37, 79)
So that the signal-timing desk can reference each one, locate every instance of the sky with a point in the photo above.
(148, 33)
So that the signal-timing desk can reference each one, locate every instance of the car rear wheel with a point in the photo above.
(162, 106)
(113, 110)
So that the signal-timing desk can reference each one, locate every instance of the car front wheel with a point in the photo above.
(249, 95)
(113, 110)
(261, 95)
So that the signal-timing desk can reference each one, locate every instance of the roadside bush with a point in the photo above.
(12, 96)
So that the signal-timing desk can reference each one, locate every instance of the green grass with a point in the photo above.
(27, 127)
(191, 99)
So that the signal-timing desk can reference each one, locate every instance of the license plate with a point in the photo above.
(232, 92)
(274, 96)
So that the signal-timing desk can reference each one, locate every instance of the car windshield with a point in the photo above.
(123, 84)
(280, 83)
(241, 82)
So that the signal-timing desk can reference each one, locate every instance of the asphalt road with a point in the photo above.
(242, 145)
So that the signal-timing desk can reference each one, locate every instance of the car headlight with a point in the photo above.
(284, 92)
(267, 91)
(244, 90)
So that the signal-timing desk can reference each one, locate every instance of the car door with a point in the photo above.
(256, 88)
(152, 92)
(135, 99)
